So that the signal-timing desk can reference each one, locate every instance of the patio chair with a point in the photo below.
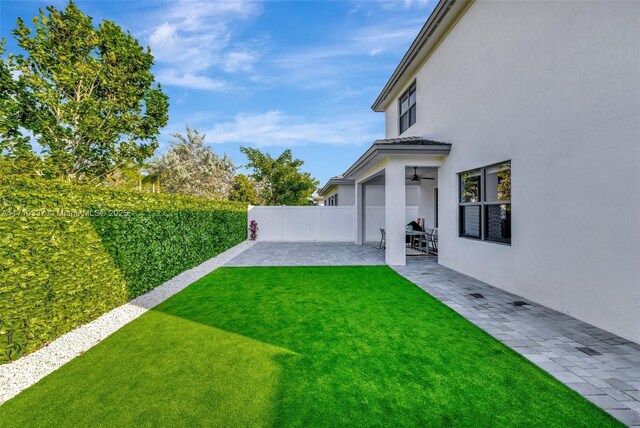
(422, 242)
(383, 240)
(433, 241)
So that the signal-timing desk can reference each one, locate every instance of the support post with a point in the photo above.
(359, 214)
(394, 210)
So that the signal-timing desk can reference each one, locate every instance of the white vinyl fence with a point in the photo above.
(329, 224)
(318, 223)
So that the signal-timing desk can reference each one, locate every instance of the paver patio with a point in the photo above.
(308, 254)
(558, 343)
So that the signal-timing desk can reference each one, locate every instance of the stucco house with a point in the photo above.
(522, 121)
(336, 192)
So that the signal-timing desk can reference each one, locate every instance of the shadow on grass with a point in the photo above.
(321, 346)
(159, 370)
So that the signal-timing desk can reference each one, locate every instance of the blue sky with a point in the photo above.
(272, 74)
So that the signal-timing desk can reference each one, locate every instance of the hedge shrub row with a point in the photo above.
(70, 253)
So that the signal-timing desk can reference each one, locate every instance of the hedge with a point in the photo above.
(70, 253)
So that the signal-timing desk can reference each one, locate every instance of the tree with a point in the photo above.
(244, 190)
(129, 176)
(86, 95)
(16, 155)
(11, 141)
(191, 168)
(504, 182)
(280, 182)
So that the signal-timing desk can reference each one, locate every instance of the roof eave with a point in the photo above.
(439, 12)
(396, 149)
(334, 182)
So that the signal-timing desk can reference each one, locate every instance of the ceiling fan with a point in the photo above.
(417, 178)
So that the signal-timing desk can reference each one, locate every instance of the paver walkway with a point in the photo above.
(308, 254)
(552, 340)
(599, 365)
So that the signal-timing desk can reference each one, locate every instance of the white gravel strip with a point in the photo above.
(24, 372)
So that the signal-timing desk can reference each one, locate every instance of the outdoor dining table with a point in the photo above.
(412, 236)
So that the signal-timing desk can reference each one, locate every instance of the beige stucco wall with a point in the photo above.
(555, 88)
(345, 194)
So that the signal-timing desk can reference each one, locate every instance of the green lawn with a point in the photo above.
(307, 346)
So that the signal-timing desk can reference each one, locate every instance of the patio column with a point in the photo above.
(394, 213)
(359, 213)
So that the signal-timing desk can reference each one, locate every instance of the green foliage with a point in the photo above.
(191, 168)
(244, 190)
(63, 265)
(470, 186)
(86, 94)
(504, 182)
(132, 175)
(11, 140)
(280, 180)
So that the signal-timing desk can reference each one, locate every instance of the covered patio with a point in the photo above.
(398, 164)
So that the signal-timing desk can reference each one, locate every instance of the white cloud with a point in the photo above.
(408, 4)
(383, 37)
(190, 40)
(275, 128)
(189, 80)
(239, 61)
(399, 4)
(163, 34)
(330, 65)
(198, 15)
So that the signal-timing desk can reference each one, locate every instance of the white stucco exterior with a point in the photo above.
(555, 88)
(345, 195)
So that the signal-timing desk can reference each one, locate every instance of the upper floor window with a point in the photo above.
(485, 203)
(408, 108)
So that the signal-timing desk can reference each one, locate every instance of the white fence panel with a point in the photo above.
(300, 224)
(336, 224)
(329, 224)
(270, 222)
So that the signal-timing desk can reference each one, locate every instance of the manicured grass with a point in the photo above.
(317, 346)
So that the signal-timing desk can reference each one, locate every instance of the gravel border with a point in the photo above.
(26, 371)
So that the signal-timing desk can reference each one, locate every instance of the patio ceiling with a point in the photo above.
(424, 172)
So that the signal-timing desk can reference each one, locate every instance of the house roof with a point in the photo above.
(434, 30)
(414, 141)
(398, 146)
(334, 181)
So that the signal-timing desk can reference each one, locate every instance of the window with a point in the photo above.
(408, 108)
(485, 203)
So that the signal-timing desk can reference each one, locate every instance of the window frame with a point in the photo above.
(411, 90)
(482, 203)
